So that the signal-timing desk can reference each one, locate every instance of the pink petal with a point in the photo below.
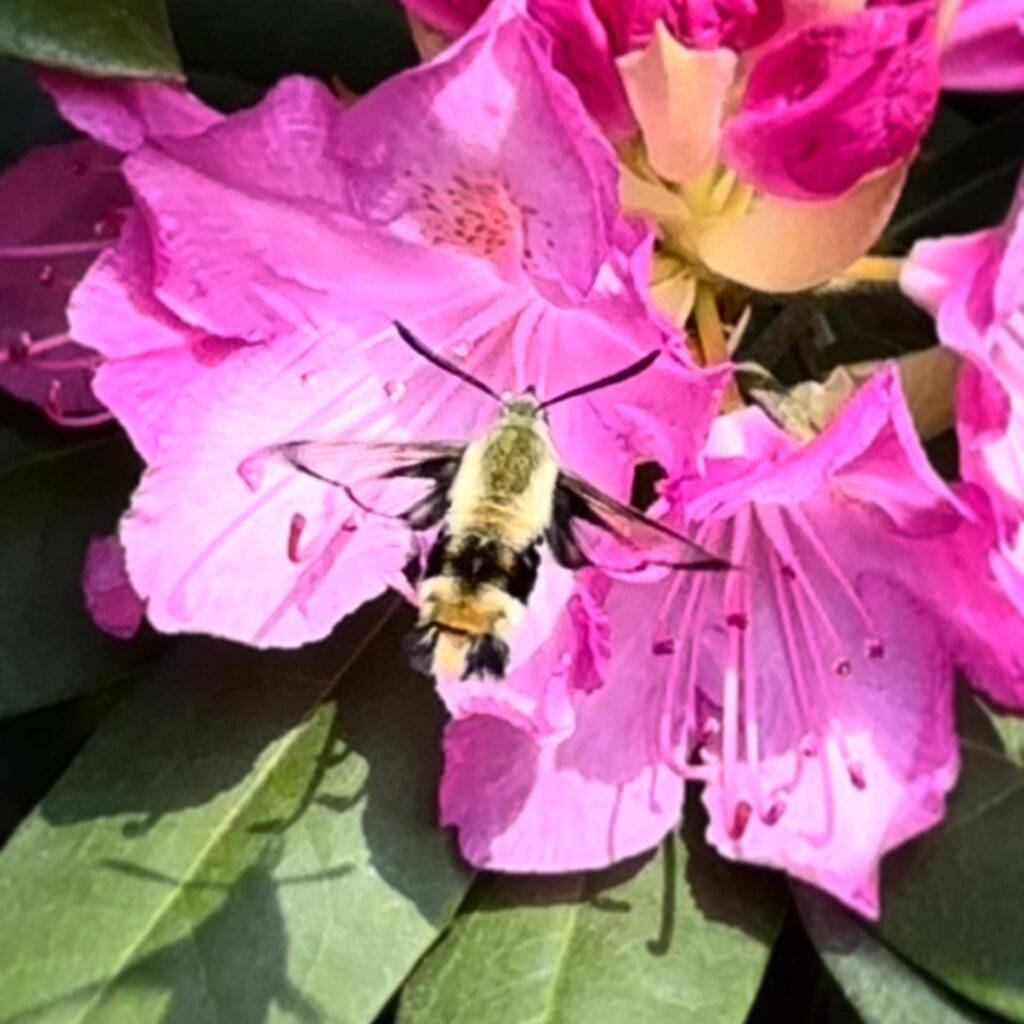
(827, 806)
(584, 53)
(277, 566)
(452, 17)
(543, 774)
(984, 50)
(509, 106)
(230, 322)
(578, 35)
(112, 601)
(817, 685)
(123, 112)
(936, 267)
(835, 101)
(678, 96)
(973, 285)
(699, 24)
(778, 245)
(62, 206)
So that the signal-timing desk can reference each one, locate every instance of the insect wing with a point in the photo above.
(590, 528)
(409, 481)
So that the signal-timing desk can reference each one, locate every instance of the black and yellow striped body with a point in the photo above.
(483, 565)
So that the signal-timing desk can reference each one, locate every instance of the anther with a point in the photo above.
(18, 351)
(740, 819)
(295, 528)
(809, 746)
(842, 667)
(663, 647)
(856, 772)
(250, 470)
(737, 620)
(875, 648)
(46, 276)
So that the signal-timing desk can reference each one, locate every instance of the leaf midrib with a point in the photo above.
(558, 974)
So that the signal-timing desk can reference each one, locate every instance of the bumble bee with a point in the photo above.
(497, 499)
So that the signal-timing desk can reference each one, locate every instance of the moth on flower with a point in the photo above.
(484, 216)
(497, 499)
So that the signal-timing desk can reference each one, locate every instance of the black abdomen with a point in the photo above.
(460, 607)
(476, 560)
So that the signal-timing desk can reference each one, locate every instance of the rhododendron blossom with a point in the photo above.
(251, 296)
(810, 691)
(774, 134)
(62, 205)
(248, 295)
(973, 284)
(45, 247)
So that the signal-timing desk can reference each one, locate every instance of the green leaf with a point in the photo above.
(233, 848)
(108, 37)
(965, 186)
(952, 899)
(36, 749)
(883, 988)
(52, 500)
(675, 937)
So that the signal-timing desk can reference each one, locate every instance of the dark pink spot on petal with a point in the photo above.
(213, 350)
(295, 528)
(740, 819)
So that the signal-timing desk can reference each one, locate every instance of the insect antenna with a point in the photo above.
(603, 382)
(439, 361)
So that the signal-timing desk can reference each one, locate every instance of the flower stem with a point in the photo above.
(873, 269)
(709, 327)
(713, 344)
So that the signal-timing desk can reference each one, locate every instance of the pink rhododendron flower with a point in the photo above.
(811, 691)
(588, 36)
(109, 595)
(836, 101)
(61, 208)
(62, 205)
(974, 285)
(774, 134)
(250, 300)
(984, 50)
(778, 167)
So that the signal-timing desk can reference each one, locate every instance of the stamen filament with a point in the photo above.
(713, 343)
(27, 252)
(731, 680)
(668, 741)
(803, 524)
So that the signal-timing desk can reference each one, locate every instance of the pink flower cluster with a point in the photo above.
(250, 268)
